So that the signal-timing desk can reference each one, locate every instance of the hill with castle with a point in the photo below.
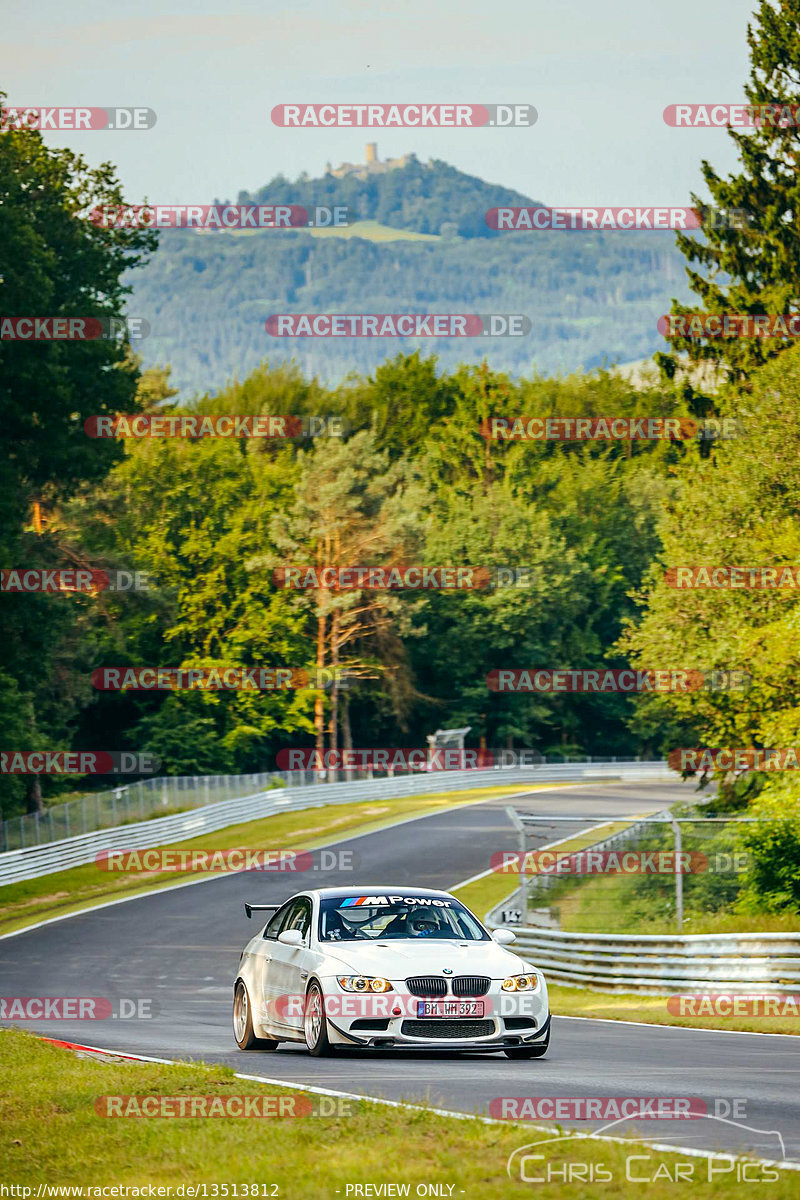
(404, 193)
(372, 164)
(419, 243)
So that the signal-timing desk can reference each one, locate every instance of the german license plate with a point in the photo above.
(450, 1008)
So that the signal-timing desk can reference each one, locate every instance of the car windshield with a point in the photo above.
(378, 917)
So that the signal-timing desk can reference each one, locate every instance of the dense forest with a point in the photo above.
(414, 482)
(598, 525)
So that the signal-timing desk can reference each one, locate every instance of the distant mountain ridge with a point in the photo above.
(592, 298)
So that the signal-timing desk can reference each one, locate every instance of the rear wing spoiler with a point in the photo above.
(251, 908)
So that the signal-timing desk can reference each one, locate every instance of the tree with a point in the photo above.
(192, 514)
(54, 262)
(352, 507)
(399, 403)
(751, 263)
(737, 508)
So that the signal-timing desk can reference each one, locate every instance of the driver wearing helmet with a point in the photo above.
(422, 924)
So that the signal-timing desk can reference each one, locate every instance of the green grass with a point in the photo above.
(83, 887)
(627, 1006)
(482, 895)
(51, 1133)
(615, 904)
(371, 231)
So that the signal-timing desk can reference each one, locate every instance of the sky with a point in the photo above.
(599, 75)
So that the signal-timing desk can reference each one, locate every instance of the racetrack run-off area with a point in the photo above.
(178, 949)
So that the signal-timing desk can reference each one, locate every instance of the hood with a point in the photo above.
(397, 959)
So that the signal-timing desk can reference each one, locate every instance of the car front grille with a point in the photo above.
(427, 985)
(470, 985)
(448, 1029)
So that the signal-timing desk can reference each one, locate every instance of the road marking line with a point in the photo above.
(680, 1028)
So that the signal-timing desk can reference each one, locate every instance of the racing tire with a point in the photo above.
(315, 1026)
(243, 1022)
(529, 1051)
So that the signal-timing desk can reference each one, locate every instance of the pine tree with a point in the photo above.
(748, 259)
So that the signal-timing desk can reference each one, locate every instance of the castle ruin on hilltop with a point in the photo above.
(373, 165)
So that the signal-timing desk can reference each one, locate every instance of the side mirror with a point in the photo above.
(291, 937)
(503, 937)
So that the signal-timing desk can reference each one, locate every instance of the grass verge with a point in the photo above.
(78, 888)
(484, 894)
(51, 1133)
(630, 1006)
(639, 905)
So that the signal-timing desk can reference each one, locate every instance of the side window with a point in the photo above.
(275, 922)
(300, 916)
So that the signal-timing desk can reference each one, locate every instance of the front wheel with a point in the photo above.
(243, 1023)
(529, 1051)
(315, 1026)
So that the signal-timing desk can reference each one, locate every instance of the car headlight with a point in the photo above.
(363, 983)
(520, 983)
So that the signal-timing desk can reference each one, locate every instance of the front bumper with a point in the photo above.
(391, 1019)
(378, 1041)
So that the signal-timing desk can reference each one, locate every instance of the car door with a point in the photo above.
(267, 993)
(289, 966)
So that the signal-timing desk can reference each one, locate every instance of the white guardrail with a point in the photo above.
(659, 964)
(33, 861)
(662, 965)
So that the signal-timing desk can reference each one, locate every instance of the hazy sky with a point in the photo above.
(600, 75)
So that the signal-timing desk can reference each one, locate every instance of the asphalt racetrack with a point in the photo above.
(180, 949)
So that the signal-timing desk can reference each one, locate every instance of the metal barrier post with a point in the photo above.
(676, 829)
(523, 878)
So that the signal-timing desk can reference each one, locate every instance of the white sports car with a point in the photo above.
(389, 966)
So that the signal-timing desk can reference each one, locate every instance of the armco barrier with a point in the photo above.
(33, 861)
(127, 803)
(718, 962)
(659, 964)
